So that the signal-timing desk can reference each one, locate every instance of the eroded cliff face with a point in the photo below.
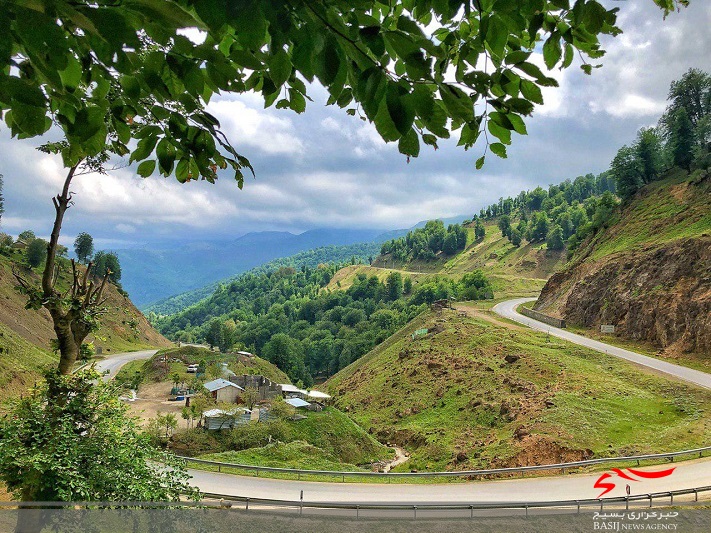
(660, 294)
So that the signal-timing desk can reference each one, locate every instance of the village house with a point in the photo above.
(224, 391)
(215, 419)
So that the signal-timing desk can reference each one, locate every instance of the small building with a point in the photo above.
(317, 395)
(298, 403)
(223, 390)
(291, 391)
(246, 354)
(19, 244)
(220, 419)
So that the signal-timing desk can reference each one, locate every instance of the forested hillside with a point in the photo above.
(647, 270)
(26, 335)
(287, 317)
(354, 253)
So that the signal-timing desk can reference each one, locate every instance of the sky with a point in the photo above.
(326, 169)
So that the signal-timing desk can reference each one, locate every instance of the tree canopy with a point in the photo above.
(107, 73)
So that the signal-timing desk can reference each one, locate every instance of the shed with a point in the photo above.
(223, 390)
(297, 402)
(318, 395)
(220, 419)
(292, 391)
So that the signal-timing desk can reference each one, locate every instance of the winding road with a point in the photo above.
(689, 474)
(507, 309)
(686, 475)
(114, 363)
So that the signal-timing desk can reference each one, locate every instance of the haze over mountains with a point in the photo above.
(152, 274)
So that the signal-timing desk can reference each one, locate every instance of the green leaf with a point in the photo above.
(280, 68)
(384, 123)
(497, 34)
(519, 125)
(144, 149)
(531, 91)
(182, 170)
(480, 162)
(401, 109)
(457, 102)
(498, 149)
(552, 50)
(71, 76)
(500, 133)
(146, 168)
(409, 144)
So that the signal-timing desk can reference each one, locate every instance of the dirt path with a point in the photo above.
(485, 315)
(401, 456)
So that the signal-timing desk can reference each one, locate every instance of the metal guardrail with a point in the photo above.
(597, 504)
(460, 473)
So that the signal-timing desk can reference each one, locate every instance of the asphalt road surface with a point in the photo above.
(507, 309)
(688, 474)
(113, 363)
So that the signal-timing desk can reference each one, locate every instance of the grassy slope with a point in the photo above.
(512, 271)
(455, 403)
(662, 214)
(155, 370)
(27, 333)
(326, 439)
(296, 454)
(666, 211)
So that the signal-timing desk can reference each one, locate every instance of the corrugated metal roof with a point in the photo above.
(219, 383)
(220, 412)
(297, 402)
(287, 387)
(318, 394)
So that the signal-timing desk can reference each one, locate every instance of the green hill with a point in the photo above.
(647, 272)
(25, 334)
(477, 391)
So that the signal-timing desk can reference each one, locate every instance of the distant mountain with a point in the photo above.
(152, 274)
(311, 258)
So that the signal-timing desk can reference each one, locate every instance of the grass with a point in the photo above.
(298, 455)
(454, 402)
(668, 210)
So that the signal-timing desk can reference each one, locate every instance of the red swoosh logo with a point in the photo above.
(639, 473)
(652, 475)
(600, 485)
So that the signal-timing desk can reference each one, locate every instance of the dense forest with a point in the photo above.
(363, 252)
(426, 243)
(287, 317)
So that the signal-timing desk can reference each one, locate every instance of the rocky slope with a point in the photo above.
(648, 273)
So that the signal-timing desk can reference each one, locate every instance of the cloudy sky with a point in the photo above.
(326, 169)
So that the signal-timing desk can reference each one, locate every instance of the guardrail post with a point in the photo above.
(578, 504)
(637, 462)
(627, 503)
(246, 505)
(526, 506)
(414, 507)
(650, 500)
(299, 476)
(600, 500)
(471, 511)
(343, 478)
(696, 495)
(357, 512)
(671, 497)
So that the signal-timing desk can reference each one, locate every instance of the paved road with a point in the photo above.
(689, 474)
(114, 363)
(507, 309)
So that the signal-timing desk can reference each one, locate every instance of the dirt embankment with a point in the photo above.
(660, 294)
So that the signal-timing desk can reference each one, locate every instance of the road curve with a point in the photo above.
(507, 309)
(113, 364)
(689, 474)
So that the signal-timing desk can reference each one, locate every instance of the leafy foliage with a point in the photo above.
(71, 439)
(84, 247)
(681, 138)
(36, 252)
(426, 243)
(122, 72)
